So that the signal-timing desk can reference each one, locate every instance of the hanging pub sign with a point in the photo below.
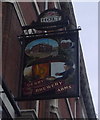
(51, 67)
(50, 61)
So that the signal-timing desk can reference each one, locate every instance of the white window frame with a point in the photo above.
(19, 13)
(36, 5)
(54, 107)
(7, 103)
(70, 109)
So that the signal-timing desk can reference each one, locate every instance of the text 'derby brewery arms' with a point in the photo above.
(50, 62)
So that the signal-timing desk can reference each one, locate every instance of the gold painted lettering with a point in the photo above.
(62, 89)
(48, 87)
(44, 88)
(70, 86)
(60, 83)
(58, 90)
(37, 90)
(56, 84)
(66, 87)
(52, 85)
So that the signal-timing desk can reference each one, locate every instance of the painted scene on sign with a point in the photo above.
(51, 66)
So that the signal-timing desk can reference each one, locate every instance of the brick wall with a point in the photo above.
(11, 49)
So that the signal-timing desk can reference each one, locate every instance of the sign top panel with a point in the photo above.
(51, 19)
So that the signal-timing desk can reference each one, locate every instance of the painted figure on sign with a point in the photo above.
(68, 66)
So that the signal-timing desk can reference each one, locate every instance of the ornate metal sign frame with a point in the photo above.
(50, 59)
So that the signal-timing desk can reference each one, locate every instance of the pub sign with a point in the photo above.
(51, 65)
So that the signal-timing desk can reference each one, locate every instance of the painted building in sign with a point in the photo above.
(23, 14)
